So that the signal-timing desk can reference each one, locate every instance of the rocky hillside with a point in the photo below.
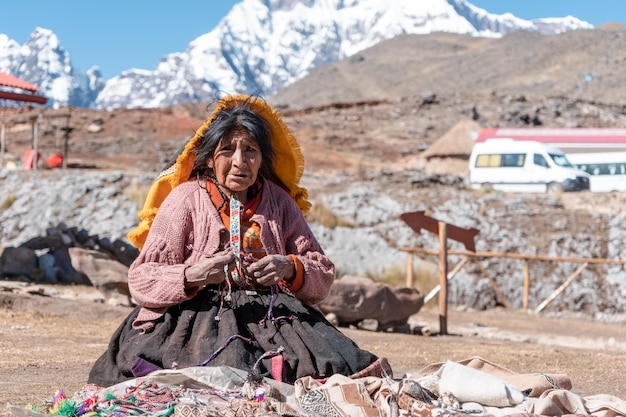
(368, 234)
(364, 168)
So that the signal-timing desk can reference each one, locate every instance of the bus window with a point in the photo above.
(561, 160)
(583, 167)
(538, 159)
(604, 169)
(513, 160)
(488, 160)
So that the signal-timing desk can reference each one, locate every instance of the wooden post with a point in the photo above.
(35, 143)
(493, 283)
(443, 278)
(417, 221)
(409, 270)
(526, 284)
(561, 288)
(68, 129)
(57, 137)
(451, 275)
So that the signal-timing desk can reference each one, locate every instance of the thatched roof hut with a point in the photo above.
(450, 153)
(456, 142)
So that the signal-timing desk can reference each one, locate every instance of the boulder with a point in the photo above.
(107, 275)
(21, 262)
(355, 300)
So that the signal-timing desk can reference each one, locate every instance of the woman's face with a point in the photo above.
(236, 163)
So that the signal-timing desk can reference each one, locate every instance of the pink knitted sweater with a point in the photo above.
(188, 218)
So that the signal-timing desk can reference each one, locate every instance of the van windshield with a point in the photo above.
(561, 160)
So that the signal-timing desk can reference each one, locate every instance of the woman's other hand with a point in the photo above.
(271, 269)
(208, 270)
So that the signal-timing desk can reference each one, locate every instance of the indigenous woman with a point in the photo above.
(229, 272)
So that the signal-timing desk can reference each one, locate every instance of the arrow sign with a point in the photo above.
(417, 221)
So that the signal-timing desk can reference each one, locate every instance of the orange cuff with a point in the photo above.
(298, 279)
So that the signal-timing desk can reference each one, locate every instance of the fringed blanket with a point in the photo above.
(473, 387)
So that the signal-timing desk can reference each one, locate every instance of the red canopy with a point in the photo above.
(7, 80)
(11, 81)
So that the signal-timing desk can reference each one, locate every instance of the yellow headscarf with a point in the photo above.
(288, 164)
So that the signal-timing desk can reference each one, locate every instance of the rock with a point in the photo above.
(124, 252)
(371, 325)
(20, 261)
(54, 259)
(373, 305)
(94, 128)
(333, 319)
(43, 242)
(67, 273)
(109, 276)
(48, 264)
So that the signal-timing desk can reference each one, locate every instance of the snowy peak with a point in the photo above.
(261, 46)
(44, 62)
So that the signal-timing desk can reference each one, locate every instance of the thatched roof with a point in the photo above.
(456, 142)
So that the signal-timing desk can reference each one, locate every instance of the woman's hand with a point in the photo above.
(271, 269)
(208, 270)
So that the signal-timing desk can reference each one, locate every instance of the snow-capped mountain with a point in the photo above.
(260, 47)
(42, 61)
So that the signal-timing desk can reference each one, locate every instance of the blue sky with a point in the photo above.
(117, 35)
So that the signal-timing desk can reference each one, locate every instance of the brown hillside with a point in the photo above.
(445, 63)
(389, 102)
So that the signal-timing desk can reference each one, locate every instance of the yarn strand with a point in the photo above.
(222, 347)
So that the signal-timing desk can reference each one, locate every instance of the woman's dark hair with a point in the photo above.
(240, 117)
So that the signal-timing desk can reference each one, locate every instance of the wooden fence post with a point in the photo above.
(526, 284)
(443, 278)
(35, 127)
(451, 275)
(561, 288)
(493, 283)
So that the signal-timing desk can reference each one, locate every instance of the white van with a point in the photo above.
(607, 169)
(523, 166)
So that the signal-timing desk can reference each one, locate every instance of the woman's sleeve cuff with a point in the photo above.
(298, 279)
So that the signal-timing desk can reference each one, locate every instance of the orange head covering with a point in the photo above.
(288, 163)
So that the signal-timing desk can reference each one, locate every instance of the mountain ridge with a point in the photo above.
(582, 64)
(291, 39)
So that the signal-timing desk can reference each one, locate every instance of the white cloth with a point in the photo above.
(471, 385)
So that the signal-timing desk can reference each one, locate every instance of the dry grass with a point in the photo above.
(425, 276)
(8, 201)
(319, 213)
(137, 193)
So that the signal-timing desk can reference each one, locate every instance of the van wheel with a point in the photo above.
(554, 188)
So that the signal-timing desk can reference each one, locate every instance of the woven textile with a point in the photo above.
(185, 410)
(219, 392)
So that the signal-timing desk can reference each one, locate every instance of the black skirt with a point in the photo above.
(244, 332)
